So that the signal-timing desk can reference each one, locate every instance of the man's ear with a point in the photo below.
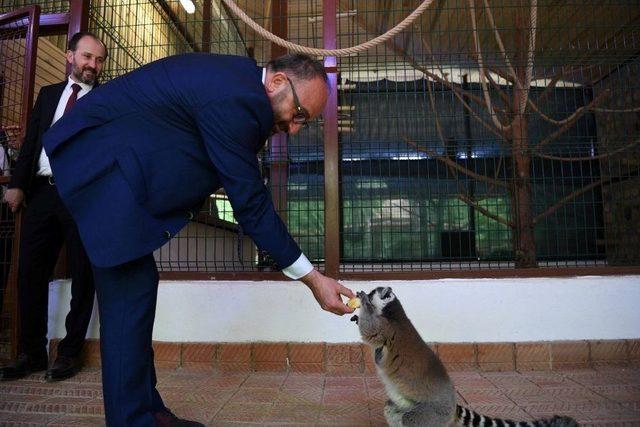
(275, 81)
(69, 56)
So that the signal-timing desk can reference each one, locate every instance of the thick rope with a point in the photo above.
(531, 53)
(485, 91)
(328, 52)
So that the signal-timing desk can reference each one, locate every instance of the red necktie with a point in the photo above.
(75, 88)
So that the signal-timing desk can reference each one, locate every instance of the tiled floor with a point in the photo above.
(608, 397)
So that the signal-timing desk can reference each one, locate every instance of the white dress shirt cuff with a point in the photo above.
(301, 267)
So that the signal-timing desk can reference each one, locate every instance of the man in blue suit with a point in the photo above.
(137, 161)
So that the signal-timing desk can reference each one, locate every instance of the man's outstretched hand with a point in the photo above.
(327, 292)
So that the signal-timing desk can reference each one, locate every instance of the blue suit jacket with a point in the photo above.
(142, 152)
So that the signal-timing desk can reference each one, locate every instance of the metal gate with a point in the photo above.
(18, 47)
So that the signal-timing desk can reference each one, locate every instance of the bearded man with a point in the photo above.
(47, 224)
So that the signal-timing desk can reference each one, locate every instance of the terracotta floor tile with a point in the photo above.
(594, 378)
(317, 368)
(225, 380)
(554, 395)
(618, 393)
(244, 412)
(549, 379)
(299, 396)
(470, 380)
(339, 395)
(609, 396)
(504, 412)
(351, 414)
(197, 411)
(77, 421)
(26, 419)
(261, 380)
(373, 383)
(307, 353)
(508, 379)
(296, 380)
(486, 397)
(344, 381)
(296, 413)
(255, 395)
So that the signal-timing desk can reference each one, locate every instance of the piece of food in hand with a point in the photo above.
(354, 302)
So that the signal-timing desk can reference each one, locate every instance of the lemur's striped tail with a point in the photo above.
(468, 418)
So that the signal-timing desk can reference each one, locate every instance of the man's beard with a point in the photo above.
(280, 127)
(86, 75)
(276, 105)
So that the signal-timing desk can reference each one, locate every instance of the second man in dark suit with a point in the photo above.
(46, 225)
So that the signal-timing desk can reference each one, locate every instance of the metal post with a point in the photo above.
(278, 147)
(206, 26)
(331, 149)
(78, 20)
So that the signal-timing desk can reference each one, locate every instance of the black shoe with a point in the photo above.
(167, 419)
(22, 367)
(64, 367)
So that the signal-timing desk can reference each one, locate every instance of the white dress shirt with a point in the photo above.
(301, 267)
(44, 168)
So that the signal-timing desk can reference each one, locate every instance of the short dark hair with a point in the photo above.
(299, 65)
(73, 41)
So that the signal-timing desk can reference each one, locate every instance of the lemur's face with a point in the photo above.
(373, 315)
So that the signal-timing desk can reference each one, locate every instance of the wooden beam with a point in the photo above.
(278, 145)
(78, 20)
(332, 248)
(206, 26)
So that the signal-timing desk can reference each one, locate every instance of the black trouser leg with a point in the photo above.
(82, 287)
(40, 242)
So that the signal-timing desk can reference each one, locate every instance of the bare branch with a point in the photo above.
(534, 107)
(613, 110)
(485, 91)
(486, 212)
(587, 158)
(457, 92)
(498, 89)
(574, 117)
(456, 166)
(580, 191)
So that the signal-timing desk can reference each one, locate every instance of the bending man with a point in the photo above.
(139, 159)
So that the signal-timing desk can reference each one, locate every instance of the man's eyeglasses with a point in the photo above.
(301, 116)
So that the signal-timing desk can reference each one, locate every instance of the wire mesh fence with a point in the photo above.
(47, 6)
(487, 135)
(478, 136)
(13, 66)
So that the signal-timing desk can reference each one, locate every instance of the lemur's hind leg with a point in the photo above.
(428, 414)
(393, 414)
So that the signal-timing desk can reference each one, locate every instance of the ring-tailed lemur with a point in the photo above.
(417, 384)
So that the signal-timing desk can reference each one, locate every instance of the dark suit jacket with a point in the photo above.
(41, 117)
(142, 152)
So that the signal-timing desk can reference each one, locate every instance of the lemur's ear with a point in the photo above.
(386, 293)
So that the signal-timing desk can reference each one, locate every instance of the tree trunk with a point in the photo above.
(524, 237)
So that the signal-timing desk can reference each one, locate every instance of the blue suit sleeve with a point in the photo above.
(230, 131)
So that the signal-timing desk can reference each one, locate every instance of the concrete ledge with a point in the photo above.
(515, 310)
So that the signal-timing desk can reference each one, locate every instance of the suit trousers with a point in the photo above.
(127, 296)
(46, 225)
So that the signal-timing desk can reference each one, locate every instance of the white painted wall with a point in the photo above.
(449, 310)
